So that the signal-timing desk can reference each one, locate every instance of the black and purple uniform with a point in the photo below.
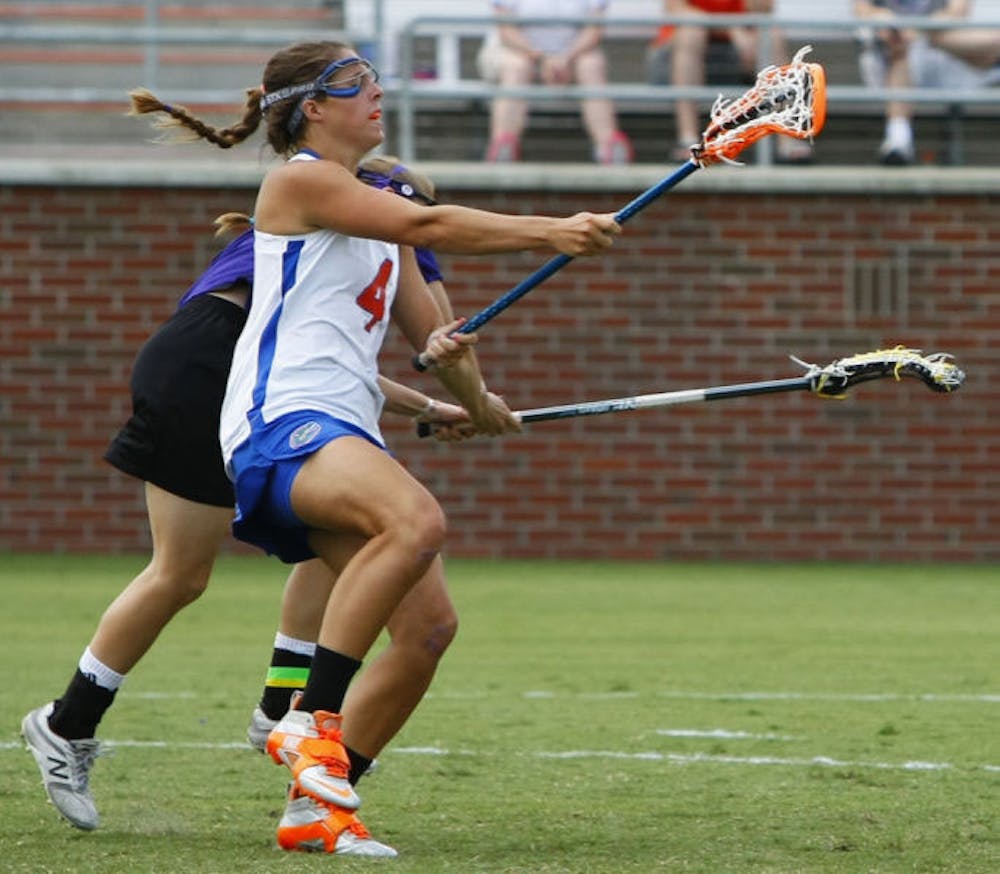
(179, 379)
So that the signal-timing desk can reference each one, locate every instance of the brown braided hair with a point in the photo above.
(182, 126)
(293, 65)
(232, 223)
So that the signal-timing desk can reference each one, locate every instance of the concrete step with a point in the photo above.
(847, 139)
(460, 133)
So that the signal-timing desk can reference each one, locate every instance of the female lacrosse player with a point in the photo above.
(299, 428)
(171, 443)
(420, 630)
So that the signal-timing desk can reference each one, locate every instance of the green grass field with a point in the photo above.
(590, 718)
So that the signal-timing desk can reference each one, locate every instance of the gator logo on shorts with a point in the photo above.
(304, 434)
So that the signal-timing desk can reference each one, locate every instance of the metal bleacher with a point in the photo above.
(437, 75)
(67, 65)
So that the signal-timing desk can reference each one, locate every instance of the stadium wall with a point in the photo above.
(718, 282)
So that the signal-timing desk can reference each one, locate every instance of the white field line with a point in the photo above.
(153, 744)
(705, 758)
(721, 734)
(543, 695)
(832, 696)
(652, 756)
(159, 696)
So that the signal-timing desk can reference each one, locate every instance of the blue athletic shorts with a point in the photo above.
(265, 467)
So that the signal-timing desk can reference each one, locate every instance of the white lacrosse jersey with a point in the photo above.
(319, 313)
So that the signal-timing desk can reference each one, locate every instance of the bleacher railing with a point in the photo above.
(407, 93)
(149, 39)
(410, 91)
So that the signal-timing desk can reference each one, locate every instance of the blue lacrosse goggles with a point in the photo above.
(327, 83)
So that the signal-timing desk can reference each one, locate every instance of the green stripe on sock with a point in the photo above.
(287, 677)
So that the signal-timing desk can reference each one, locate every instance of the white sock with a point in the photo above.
(299, 647)
(91, 666)
(898, 132)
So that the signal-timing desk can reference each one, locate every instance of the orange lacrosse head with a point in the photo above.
(789, 99)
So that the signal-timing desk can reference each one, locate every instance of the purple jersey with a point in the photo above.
(235, 263)
(428, 265)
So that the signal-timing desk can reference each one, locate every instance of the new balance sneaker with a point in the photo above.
(310, 745)
(308, 826)
(65, 766)
(259, 728)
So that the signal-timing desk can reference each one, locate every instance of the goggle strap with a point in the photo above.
(268, 100)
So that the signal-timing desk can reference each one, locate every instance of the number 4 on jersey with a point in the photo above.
(372, 298)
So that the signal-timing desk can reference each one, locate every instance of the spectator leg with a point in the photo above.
(508, 115)
(979, 47)
(599, 117)
(897, 146)
(688, 68)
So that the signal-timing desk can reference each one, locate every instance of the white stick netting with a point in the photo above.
(788, 99)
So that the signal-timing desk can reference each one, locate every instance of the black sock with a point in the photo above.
(330, 675)
(288, 674)
(359, 764)
(77, 714)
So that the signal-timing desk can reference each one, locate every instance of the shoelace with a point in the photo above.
(85, 752)
(333, 762)
(334, 765)
(357, 828)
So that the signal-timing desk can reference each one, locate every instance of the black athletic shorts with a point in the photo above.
(178, 382)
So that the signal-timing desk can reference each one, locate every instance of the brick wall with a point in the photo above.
(704, 289)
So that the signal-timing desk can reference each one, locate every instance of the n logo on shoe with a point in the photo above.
(58, 768)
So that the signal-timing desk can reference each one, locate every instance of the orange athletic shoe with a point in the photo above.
(308, 826)
(505, 149)
(310, 745)
(617, 151)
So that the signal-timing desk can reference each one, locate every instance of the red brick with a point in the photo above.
(715, 289)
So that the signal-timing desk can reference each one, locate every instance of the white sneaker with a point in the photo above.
(792, 151)
(65, 766)
(309, 826)
(259, 728)
(895, 154)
